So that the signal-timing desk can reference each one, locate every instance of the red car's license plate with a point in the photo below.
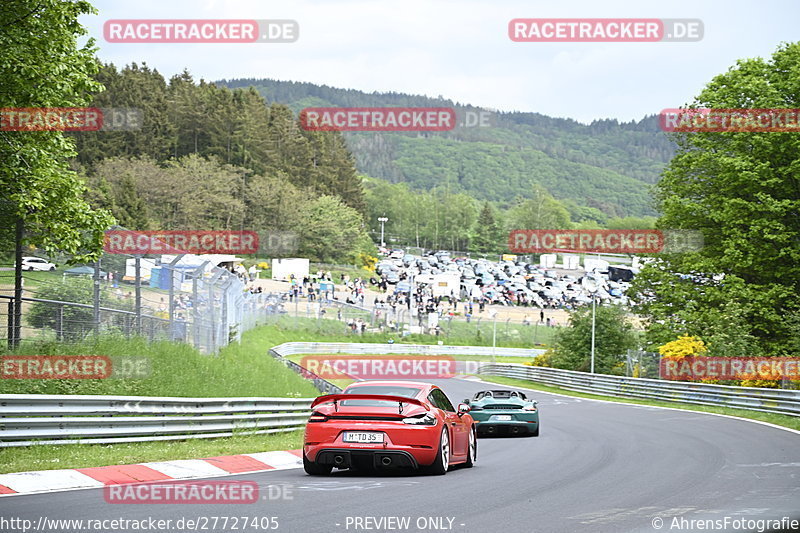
(366, 437)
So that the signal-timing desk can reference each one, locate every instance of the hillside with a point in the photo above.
(606, 165)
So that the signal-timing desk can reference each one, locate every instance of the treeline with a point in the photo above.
(607, 165)
(214, 158)
(444, 218)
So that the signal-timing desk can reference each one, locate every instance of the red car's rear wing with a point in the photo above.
(335, 398)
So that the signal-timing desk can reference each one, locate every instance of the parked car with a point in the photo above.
(37, 263)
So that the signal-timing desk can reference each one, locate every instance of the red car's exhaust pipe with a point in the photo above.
(338, 459)
(386, 461)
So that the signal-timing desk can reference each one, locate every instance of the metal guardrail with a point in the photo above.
(782, 401)
(325, 387)
(365, 348)
(27, 419)
(68, 419)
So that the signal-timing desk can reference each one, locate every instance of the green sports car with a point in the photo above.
(504, 412)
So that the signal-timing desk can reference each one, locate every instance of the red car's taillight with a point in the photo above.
(426, 419)
(316, 417)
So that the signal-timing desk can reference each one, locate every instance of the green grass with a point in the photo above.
(788, 421)
(459, 333)
(336, 272)
(243, 369)
(86, 455)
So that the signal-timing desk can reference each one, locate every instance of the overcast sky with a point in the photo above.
(460, 49)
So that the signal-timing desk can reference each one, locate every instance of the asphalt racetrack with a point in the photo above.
(597, 467)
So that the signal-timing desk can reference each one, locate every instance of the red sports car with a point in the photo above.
(374, 424)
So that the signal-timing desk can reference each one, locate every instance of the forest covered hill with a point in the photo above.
(607, 165)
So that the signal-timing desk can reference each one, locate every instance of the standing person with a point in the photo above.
(541, 315)
(252, 271)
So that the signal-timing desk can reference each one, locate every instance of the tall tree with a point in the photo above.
(488, 232)
(540, 211)
(41, 65)
(742, 191)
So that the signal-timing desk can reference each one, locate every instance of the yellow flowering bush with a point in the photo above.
(367, 261)
(683, 347)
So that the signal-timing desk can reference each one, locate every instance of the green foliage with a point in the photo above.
(41, 65)
(329, 230)
(740, 190)
(235, 128)
(434, 219)
(606, 166)
(489, 236)
(72, 322)
(540, 211)
(613, 337)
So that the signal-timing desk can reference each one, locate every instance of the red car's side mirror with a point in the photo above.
(463, 408)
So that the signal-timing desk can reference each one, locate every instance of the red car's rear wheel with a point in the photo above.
(442, 461)
(472, 451)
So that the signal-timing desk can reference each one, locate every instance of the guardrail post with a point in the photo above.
(60, 323)
(138, 293)
(10, 324)
(96, 298)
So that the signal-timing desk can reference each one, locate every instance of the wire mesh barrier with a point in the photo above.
(182, 298)
(69, 419)
(782, 401)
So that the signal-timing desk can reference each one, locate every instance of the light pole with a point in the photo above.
(591, 286)
(382, 220)
(493, 314)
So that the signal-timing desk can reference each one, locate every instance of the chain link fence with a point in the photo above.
(192, 299)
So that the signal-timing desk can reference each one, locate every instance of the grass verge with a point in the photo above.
(52, 457)
(788, 421)
(242, 369)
